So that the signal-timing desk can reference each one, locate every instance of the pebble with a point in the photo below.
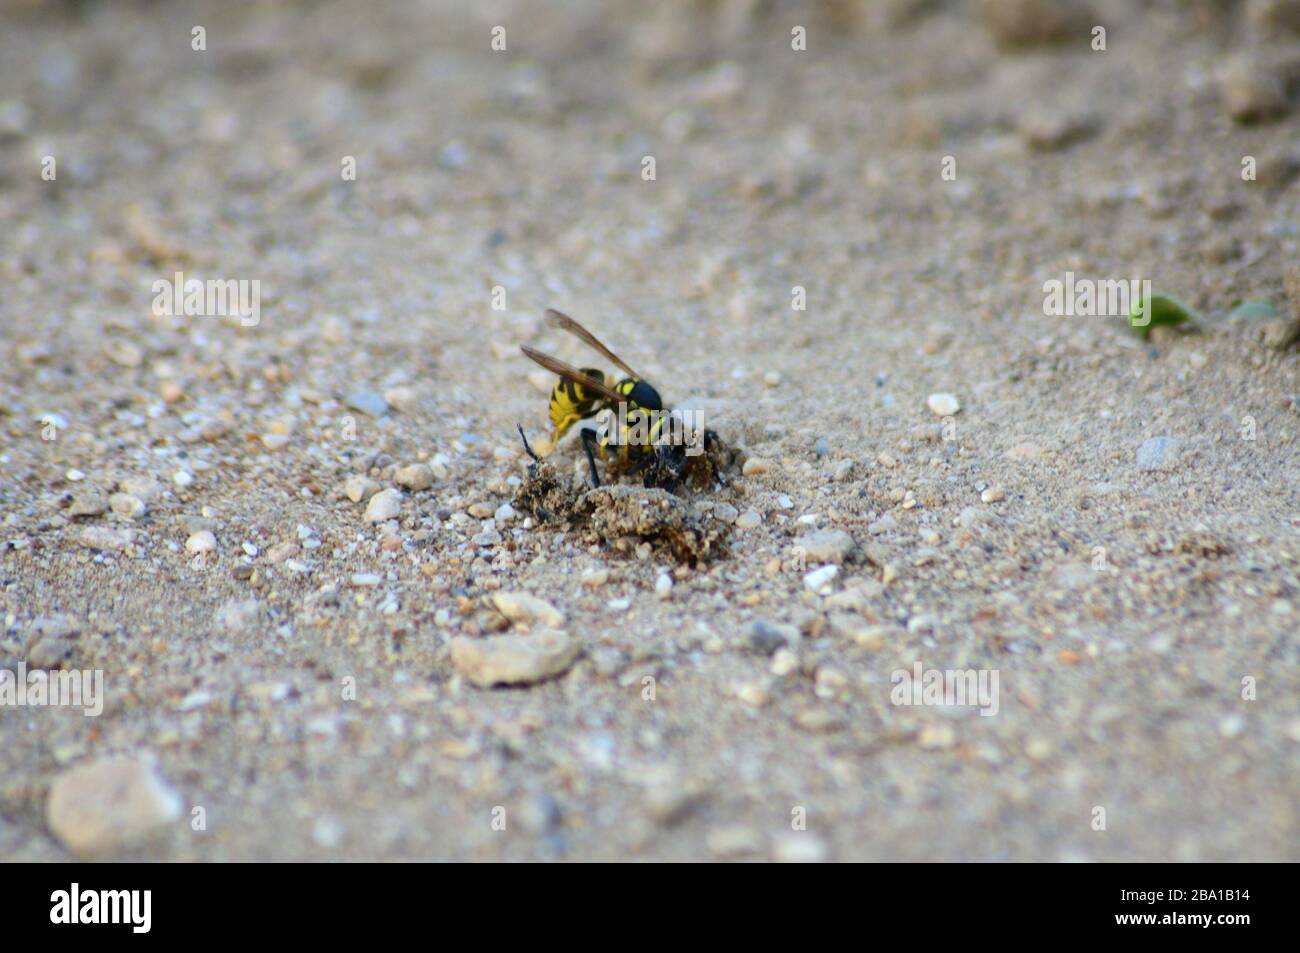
(74, 476)
(668, 803)
(1024, 453)
(513, 659)
(524, 607)
(504, 513)
(415, 477)
(384, 506)
(819, 580)
(1156, 453)
(937, 736)
(123, 353)
(201, 542)
(360, 488)
(366, 580)
(799, 847)
(238, 616)
(50, 652)
(402, 398)
(768, 637)
(182, 478)
(275, 441)
(596, 578)
(819, 720)
(733, 841)
(126, 505)
(1028, 23)
(89, 503)
(1251, 91)
(664, 586)
(749, 519)
(784, 662)
(772, 378)
(1230, 726)
(885, 524)
(1049, 129)
(109, 803)
(994, 494)
(943, 405)
(369, 402)
(826, 546)
(726, 513)
(755, 465)
(103, 538)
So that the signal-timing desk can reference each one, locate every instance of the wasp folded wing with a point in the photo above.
(563, 322)
(571, 373)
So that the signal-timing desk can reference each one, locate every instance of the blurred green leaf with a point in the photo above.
(1164, 311)
(1257, 310)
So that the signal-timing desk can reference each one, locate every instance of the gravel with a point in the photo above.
(1106, 522)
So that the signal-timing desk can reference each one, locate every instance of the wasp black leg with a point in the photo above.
(527, 449)
(588, 441)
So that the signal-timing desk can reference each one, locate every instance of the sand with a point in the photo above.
(1110, 526)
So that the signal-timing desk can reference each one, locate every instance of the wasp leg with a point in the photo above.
(588, 440)
(527, 449)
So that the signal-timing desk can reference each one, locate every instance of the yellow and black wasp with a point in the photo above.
(634, 444)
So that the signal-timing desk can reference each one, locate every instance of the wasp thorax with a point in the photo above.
(642, 394)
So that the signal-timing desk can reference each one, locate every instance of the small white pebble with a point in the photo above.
(943, 405)
(201, 542)
(182, 478)
(784, 662)
(819, 580)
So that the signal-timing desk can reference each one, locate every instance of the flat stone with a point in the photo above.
(104, 538)
(826, 546)
(109, 803)
(514, 659)
(369, 402)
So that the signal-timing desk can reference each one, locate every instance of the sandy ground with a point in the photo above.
(294, 688)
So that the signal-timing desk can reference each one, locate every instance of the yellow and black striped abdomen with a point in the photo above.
(571, 402)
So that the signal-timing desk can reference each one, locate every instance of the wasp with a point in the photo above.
(582, 393)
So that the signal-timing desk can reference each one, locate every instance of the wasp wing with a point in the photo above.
(571, 373)
(563, 322)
